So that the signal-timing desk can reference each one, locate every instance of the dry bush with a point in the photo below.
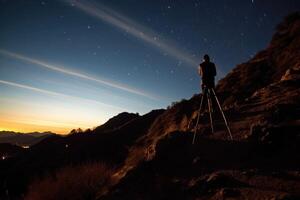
(74, 182)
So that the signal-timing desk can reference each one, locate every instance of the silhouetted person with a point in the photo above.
(207, 70)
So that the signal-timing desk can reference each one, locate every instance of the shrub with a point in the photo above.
(73, 182)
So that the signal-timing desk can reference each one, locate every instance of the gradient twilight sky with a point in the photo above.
(66, 64)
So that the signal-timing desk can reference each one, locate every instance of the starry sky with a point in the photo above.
(66, 64)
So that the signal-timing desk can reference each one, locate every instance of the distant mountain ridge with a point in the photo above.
(23, 139)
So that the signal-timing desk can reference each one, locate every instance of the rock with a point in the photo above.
(228, 193)
(267, 133)
(219, 180)
(285, 197)
(290, 74)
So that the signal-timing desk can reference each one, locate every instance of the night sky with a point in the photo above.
(67, 64)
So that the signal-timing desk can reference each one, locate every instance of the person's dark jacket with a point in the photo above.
(207, 70)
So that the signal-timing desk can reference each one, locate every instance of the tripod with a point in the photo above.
(208, 92)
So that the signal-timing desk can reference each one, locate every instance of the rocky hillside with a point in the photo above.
(261, 100)
(278, 62)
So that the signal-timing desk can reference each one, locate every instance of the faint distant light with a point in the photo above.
(25, 147)
(89, 27)
(3, 157)
(67, 146)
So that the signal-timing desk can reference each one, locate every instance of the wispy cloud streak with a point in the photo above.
(135, 29)
(79, 75)
(56, 94)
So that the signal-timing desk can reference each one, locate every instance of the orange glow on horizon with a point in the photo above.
(28, 127)
(42, 116)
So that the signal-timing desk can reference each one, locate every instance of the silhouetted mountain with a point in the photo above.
(23, 139)
(107, 144)
(8, 150)
(117, 122)
(39, 134)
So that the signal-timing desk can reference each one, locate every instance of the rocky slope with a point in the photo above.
(261, 100)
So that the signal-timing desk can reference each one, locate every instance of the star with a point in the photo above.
(179, 63)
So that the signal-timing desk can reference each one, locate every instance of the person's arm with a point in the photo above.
(200, 70)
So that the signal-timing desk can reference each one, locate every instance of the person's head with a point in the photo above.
(206, 58)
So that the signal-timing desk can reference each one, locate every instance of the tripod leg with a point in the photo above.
(226, 123)
(210, 111)
(198, 115)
